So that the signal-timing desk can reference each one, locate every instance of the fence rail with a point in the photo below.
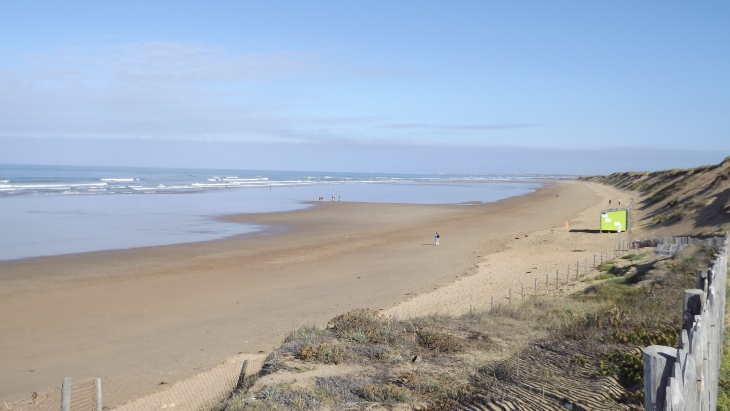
(687, 378)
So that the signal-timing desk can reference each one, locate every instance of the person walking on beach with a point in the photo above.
(609, 202)
(436, 237)
(619, 201)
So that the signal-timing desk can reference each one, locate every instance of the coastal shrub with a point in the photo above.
(604, 276)
(324, 353)
(302, 336)
(297, 399)
(608, 266)
(634, 256)
(646, 335)
(365, 325)
(342, 388)
(674, 216)
(386, 393)
(279, 396)
(375, 352)
(610, 291)
(629, 367)
(580, 359)
(438, 339)
(356, 337)
(431, 385)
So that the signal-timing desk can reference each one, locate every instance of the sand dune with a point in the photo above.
(678, 201)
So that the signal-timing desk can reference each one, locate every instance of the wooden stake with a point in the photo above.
(97, 393)
(66, 394)
(242, 375)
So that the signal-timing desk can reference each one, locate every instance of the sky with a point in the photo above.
(408, 86)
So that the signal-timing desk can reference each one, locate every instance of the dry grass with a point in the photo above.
(482, 357)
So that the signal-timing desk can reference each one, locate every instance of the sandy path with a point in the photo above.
(138, 317)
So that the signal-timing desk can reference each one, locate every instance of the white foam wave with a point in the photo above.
(119, 179)
(50, 186)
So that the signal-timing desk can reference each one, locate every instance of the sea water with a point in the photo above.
(52, 210)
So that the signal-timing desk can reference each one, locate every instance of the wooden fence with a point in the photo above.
(687, 378)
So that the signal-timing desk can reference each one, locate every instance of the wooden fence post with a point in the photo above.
(691, 306)
(97, 392)
(66, 394)
(547, 284)
(491, 304)
(242, 376)
(557, 279)
(522, 286)
(535, 286)
(658, 364)
(510, 296)
(594, 260)
(586, 271)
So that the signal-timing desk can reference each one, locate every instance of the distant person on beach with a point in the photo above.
(436, 237)
(619, 201)
(609, 202)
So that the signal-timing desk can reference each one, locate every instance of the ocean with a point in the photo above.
(52, 210)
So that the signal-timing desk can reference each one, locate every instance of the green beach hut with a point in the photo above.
(616, 220)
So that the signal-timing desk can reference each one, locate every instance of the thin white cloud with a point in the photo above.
(152, 90)
(454, 127)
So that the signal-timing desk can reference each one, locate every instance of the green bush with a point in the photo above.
(646, 336)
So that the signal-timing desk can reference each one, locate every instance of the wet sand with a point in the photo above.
(138, 317)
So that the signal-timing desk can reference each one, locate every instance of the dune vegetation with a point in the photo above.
(580, 350)
(694, 200)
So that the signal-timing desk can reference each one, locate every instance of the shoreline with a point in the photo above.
(58, 225)
(140, 315)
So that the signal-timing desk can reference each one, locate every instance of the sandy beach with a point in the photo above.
(141, 316)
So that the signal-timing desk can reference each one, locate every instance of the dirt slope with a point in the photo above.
(695, 200)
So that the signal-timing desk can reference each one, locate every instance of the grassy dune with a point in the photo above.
(694, 200)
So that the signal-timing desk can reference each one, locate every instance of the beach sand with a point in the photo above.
(139, 317)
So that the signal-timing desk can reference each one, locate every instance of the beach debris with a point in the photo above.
(417, 358)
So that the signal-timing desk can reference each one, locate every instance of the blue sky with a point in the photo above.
(396, 86)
